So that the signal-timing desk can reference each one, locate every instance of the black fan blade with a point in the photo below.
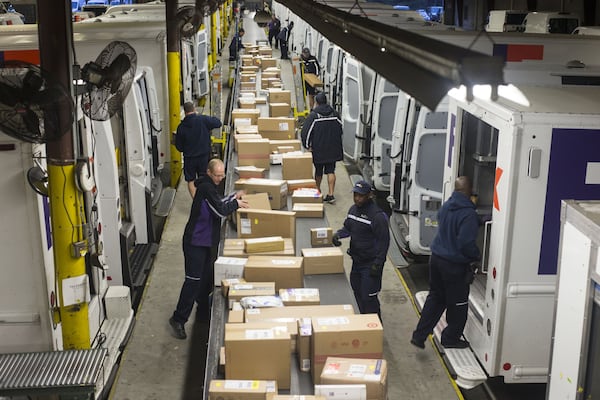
(116, 70)
(32, 83)
(8, 95)
(32, 122)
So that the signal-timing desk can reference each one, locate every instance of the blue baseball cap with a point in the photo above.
(362, 187)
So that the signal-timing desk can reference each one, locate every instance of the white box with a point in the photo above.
(342, 392)
(228, 268)
(117, 302)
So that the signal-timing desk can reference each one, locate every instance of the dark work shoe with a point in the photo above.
(177, 329)
(418, 344)
(461, 344)
(329, 199)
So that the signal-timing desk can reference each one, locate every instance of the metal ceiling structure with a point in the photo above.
(422, 67)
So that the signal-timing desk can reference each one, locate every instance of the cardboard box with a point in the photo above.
(276, 144)
(313, 80)
(258, 201)
(355, 336)
(299, 296)
(221, 389)
(308, 210)
(294, 184)
(321, 236)
(325, 260)
(250, 171)
(285, 149)
(279, 109)
(236, 314)
(351, 371)
(280, 96)
(260, 223)
(303, 340)
(266, 83)
(265, 51)
(228, 268)
(235, 248)
(247, 76)
(221, 367)
(268, 62)
(248, 85)
(307, 195)
(245, 137)
(342, 392)
(255, 353)
(277, 128)
(270, 70)
(249, 68)
(275, 158)
(275, 188)
(297, 165)
(246, 130)
(286, 272)
(253, 114)
(240, 290)
(226, 284)
(260, 245)
(247, 102)
(254, 152)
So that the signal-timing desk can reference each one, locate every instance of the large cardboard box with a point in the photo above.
(294, 184)
(270, 70)
(252, 352)
(260, 245)
(248, 85)
(313, 80)
(249, 68)
(258, 200)
(250, 171)
(265, 51)
(245, 136)
(229, 389)
(266, 83)
(277, 128)
(321, 236)
(275, 188)
(325, 260)
(227, 283)
(286, 272)
(353, 371)
(260, 223)
(247, 77)
(268, 62)
(307, 195)
(246, 130)
(228, 268)
(299, 296)
(280, 96)
(238, 291)
(356, 336)
(308, 210)
(297, 165)
(247, 102)
(233, 247)
(279, 110)
(254, 152)
(253, 114)
(276, 144)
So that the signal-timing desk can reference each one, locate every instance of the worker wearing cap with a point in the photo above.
(311, 66)
(367, 225)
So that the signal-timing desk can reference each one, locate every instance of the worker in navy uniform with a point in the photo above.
(311, 66)
(274, 28)
(367, 225)
(322, 134)
(454, 252)
(200, 243)
(284, 37)
(236, 45)
(193, 140)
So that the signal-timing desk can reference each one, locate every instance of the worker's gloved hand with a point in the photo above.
(376, 270)
(335, 240)
(474, 267)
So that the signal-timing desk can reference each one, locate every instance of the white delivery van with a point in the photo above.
(550, 22)
(587, 30)
(505, 20)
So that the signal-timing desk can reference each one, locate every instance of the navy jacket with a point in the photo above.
(208, 207)
(193, 134)
(322, 132)
(458, 225)
(368, 228)
(311, 65)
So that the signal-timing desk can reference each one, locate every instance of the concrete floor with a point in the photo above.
(157, 366)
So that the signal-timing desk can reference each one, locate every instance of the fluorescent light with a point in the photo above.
(484, 92)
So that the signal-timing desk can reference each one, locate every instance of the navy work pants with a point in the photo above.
(448, 290)
(365, 288)
(198, 284)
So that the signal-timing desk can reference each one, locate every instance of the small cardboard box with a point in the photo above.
(277, 128)
(294, 184)
(249, 68)
(275, 158)
(303, 340)
(355, 336)
(279, 109)
(228, 268)
(285, 149)
(252, 113)
(221, 389)
(286, 272)
(260, 245)
(233, 247)
(299, 296)
(313, 80)
(295, 144)
(236, 314)
(308, 210)
(260, 223)
(258, 201)
(297, 165)
(245, 137)
(250, 171)
(268, 62)
(266, 83)
(240, 290)
(247, 102)
(270, 70)
(321, 236)
(247, 76)
(248, 85)
(254, 152)
(226, 283)
(352, 371)
(280, 96)
(265, 51)
(246, 129)
(307, 195)
(275, 188)
(324, 260)
(258, 353)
